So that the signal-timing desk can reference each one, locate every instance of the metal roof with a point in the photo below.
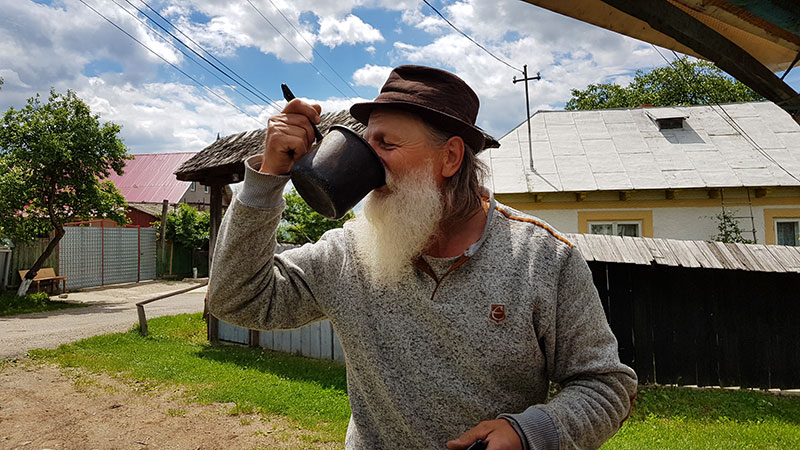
(150, 178)
(692, 254)
(720, 146)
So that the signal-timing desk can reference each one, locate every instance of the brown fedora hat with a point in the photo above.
(439, 97)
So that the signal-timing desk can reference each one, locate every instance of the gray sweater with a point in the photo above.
(446, 348)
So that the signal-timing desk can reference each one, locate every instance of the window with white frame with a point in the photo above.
(616, 228)
(787, 232)
(193, 186)
(205, 189)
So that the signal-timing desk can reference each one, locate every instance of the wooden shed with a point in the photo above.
(698, 312)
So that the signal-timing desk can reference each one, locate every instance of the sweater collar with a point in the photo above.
(477, 245)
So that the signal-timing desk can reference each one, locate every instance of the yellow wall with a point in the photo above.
(769, 220)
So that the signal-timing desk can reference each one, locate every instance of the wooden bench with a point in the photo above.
(46, 275)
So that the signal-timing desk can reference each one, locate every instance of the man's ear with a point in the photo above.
(452, 156)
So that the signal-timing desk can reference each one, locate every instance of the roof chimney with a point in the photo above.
(667, 118)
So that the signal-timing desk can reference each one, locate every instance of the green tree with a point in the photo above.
(728, 229)
(301, 224)
(187, 226)
(54, 158)
(685, 82)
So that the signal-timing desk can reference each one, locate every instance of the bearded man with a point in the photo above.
(454, 311)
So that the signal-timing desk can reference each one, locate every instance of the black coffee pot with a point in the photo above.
(341, 171)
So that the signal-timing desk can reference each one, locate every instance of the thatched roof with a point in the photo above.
(222, 162)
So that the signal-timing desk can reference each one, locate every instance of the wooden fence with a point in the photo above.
(24, 255)
(675, 325)
(704, 327)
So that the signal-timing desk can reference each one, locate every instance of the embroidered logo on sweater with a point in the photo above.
(497, 312)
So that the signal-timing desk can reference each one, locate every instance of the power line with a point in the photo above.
(171, 64)
(312, 47)
(727, 117)
(295, 49)
(268, 99)
(261, 97)
(466, 36)
(189, 57)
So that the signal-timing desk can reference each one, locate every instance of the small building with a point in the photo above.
(149, 179)
(656, 172)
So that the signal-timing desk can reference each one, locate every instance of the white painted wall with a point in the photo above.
(563, 220)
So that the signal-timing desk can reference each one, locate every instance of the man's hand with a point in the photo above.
(498, 433)
(289, 136)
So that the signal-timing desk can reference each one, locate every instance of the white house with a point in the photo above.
(656, 172)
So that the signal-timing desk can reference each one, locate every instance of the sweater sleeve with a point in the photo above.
(581, 352)
(249, 285)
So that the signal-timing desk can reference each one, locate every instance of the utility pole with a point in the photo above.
(525, 78)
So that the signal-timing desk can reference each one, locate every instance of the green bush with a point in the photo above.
(11, 304)
(187, 226)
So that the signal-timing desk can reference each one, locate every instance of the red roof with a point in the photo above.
(150, 178)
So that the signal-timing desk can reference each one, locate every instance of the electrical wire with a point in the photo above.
(298, 51)
(188, 56)
(210, 55)
(727, 117)
(171, 64)
(312, 47)
(472, 40)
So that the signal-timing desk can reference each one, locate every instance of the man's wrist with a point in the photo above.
(261, 190)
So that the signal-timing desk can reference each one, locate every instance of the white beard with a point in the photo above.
(396, 227)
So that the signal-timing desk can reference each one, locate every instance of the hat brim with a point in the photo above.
(471, 134)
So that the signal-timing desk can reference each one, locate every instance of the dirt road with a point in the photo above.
(44, 407)
(112, 310)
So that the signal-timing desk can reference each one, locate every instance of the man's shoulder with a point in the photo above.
(530, 223)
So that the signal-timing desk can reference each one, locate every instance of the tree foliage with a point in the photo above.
(685, 82)
(54, 158)
(187, 226)
(728, 229)
(301, 224)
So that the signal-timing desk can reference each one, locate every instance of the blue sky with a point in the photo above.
(64, 44)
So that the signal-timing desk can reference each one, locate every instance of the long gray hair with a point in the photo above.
(463, 192)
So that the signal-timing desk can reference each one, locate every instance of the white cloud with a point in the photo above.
(166, 117)
(235, 24)
(432, 24)
(371, 75)
(350, 30)
(11, 78)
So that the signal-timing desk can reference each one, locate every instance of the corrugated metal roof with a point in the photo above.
(693, 254)
(731, 145)
(150, 178)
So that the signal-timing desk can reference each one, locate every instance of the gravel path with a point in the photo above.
(113, 309)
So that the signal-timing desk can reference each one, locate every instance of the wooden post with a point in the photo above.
(216, 220)
(164, 212)
(142, 320)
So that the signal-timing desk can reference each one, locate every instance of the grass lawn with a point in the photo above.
(683, 418)
(313, 392)
(11, 304)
